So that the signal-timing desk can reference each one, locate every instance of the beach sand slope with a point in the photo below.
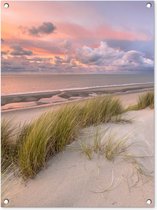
(72, 180)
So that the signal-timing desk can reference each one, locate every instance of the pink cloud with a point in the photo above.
(75, 31)
(107, 32)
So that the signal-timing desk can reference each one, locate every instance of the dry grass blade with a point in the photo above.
(111, 186)
(8, 147)
(87, 150)
(115, 147)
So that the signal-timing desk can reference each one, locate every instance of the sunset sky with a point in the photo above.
(77, 37)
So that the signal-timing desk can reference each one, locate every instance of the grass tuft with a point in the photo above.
(51, 132)
(115, 147)
(146, 100)
(87, 150)
(111, 147)
(8, 147)
(100, 110)
(45, 137)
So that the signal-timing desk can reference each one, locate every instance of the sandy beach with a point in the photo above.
(70, 179)
(24, 115)
(78, 104)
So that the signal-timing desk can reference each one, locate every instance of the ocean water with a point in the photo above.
(20, 83)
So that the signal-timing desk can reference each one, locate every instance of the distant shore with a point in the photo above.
(27, 114)
(49, 98)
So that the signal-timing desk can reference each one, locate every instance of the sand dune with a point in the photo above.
(71, 180)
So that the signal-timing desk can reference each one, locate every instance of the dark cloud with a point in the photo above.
(36, 64)
(17, 50)
(58, 60)
(14, 64)
(53, 47)
(45, 28)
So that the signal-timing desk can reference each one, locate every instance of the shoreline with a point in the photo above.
(48, 105)
(78, 88)
(50, 98)
(24, 115)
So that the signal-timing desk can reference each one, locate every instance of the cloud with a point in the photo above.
(53, 47)
(86, 59)
(108, 58)
(101, 31)
(66, 45)
(19, 51)
(35, 64)
(147, 47)
(4, 52)
(45, 28)
(58, 60)
(101, 55)
(134, 59)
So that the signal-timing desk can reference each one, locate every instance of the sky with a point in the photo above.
(77, 37)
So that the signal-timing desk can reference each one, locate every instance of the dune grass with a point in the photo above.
(100, 110)
(144, 100)
(8, 147)
(115, 146)
(87, 150)
(52, 131)
(110, 146)
(45, 137)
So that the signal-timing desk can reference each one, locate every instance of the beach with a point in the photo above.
(77, 104)
(70, 179)
(29, 105)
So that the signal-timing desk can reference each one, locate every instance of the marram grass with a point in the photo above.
(52, 131)
(47, 136)
(111, 147)
(144, 100)
(8, 148)
(100, 110)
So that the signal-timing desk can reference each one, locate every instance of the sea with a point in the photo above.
(25, 83)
